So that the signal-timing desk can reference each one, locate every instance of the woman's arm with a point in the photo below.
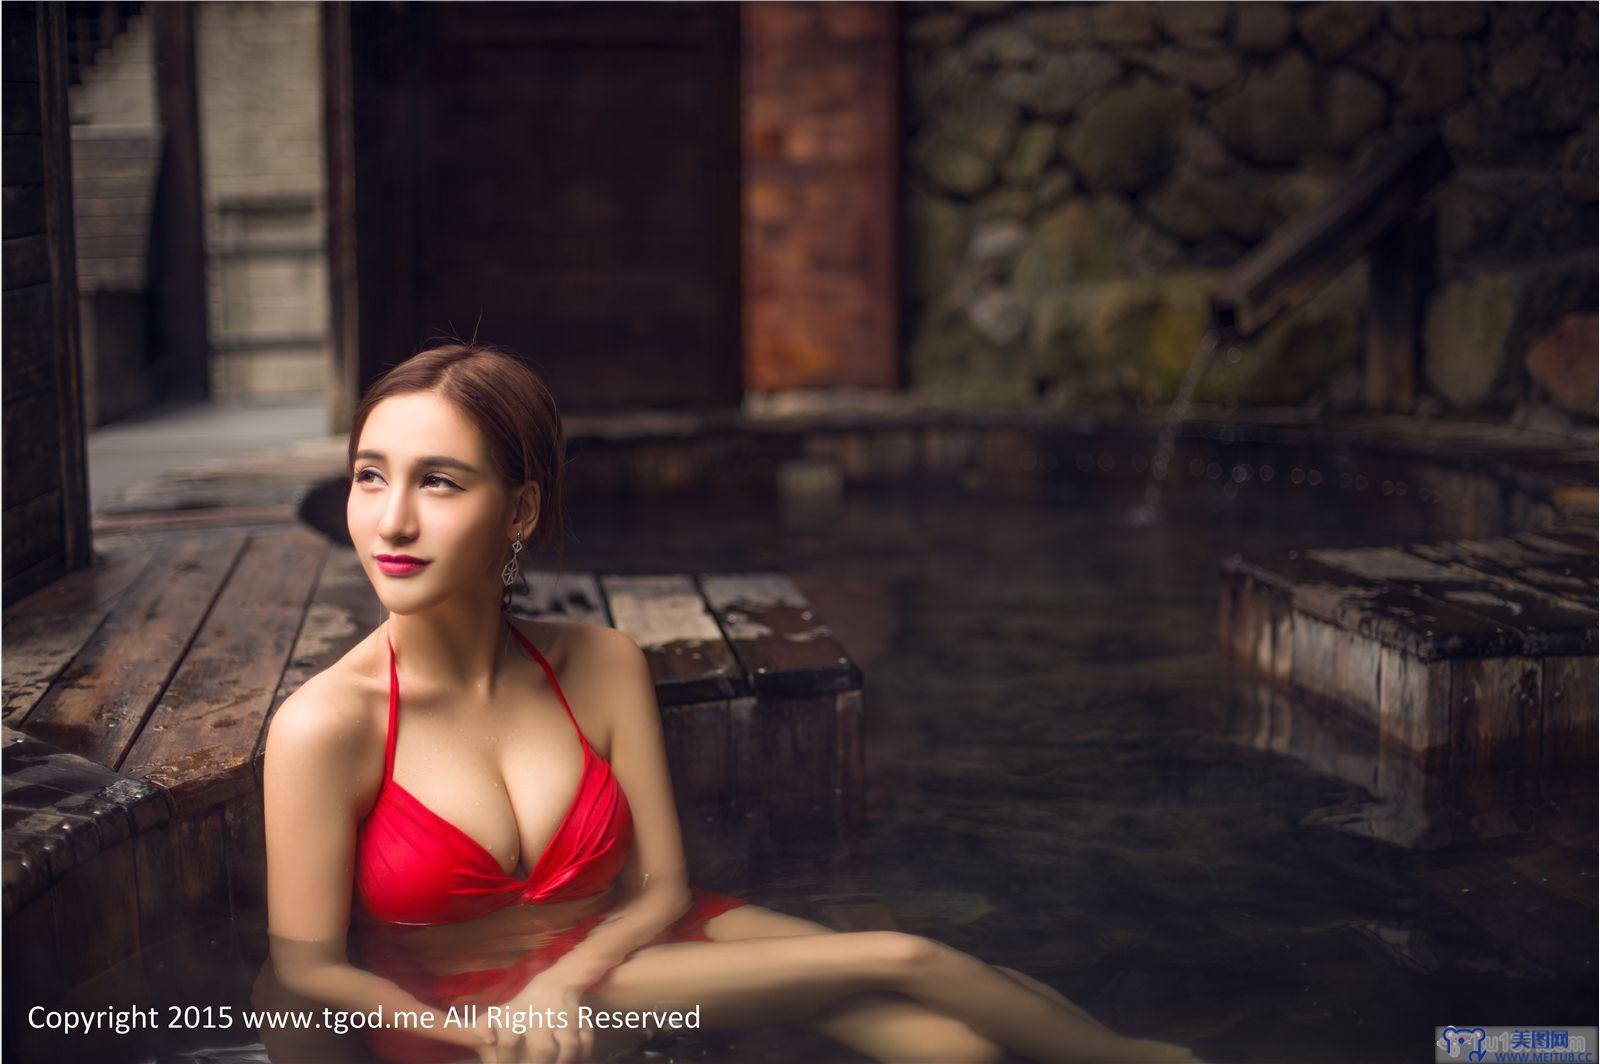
(655, 877)
(312, 788)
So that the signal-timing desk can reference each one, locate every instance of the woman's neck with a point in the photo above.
(455, 651)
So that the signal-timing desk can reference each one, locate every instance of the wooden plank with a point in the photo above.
(690, 660)
(87, 207)
(104, 696)
(27, 260)
(199, 742)
(22, 210)
(163, 520)
(21, 158)
(1394, 615)
(1568, 720)
(182, 876)
(32, 531)
(26, 580)
(1246, 630)
(1559, 542)
(561, 596)
(108, 887)
(784, 648)
(61, 811)
(849, 760)
(25, 342)
(115, 246)
(783, 751)
(1555, 583)
(123, 228)
(1414, 702)
(21, 104)
(1495, 710)
(19, 54)
(344, 610)
(1544, 626)
(30, 448)
(1571, 578)
(699, 742)
(120, 149)
(1314, 653)
(245, 842)
(31, 944)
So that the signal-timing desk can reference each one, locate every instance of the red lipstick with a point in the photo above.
(398, 564)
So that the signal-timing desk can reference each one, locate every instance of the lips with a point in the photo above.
(398, 564)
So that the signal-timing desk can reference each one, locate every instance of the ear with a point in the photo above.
(525, 507)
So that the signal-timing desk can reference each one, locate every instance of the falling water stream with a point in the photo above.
(1149, 511)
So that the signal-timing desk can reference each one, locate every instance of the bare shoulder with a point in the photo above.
(598, 667)
(576, 651)
(331, 722)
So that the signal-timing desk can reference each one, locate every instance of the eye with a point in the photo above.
(440, 479)
(360, 477)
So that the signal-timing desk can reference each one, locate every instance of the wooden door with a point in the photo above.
(561, 178)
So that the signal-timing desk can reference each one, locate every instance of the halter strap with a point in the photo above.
(394, 713)
(394, 697)
(551, 673)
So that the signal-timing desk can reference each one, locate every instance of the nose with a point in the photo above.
(399, 519)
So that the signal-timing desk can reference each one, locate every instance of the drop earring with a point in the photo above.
(512, 573)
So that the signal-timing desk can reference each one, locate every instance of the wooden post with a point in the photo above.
(45, 506)
(178, 263)
(345, 379)
(1401, 266)
(56, 142)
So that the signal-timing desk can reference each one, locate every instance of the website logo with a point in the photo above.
(1529, 1045)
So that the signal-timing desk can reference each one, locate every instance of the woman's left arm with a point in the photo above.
(656, 887)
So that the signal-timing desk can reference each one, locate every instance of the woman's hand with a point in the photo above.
(555, 1037)
(492, 1045)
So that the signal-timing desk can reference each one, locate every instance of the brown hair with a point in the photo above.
(506, 400)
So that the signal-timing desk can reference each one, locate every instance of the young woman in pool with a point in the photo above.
(471, 808)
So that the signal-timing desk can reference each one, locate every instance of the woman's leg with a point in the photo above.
(1046, 990)
(794, 978)
(885, 1027)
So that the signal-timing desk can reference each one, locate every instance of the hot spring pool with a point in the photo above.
(1057, 783)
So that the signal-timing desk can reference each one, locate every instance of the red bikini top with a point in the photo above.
(415, 867)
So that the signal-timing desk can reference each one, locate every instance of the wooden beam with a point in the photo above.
(1311, 249)
(178, 266)
(1401, 268)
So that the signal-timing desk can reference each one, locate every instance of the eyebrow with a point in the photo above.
(425, 460)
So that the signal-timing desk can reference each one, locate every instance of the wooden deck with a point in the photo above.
(137, 695)
(1468, 654)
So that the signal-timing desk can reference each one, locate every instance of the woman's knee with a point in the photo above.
(906, 955)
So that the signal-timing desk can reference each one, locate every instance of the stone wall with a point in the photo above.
(1078, 176)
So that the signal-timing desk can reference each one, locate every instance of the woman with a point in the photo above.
(473, 809)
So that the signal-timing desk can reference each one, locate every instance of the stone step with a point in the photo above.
(1466, 653)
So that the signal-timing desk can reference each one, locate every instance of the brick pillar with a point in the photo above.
(821, 173)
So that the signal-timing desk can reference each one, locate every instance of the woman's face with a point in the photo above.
(422, 488)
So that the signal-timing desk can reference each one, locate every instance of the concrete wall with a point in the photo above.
(1078, 175)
